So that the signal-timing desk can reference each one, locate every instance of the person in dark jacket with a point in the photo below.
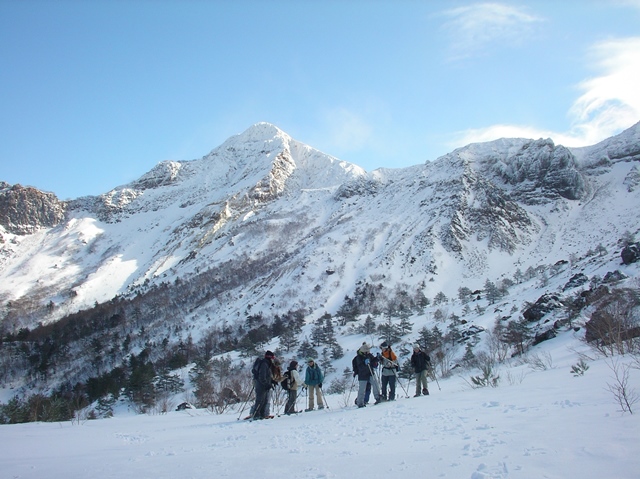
(264, 380)
(354, 367)
(420, 362)
(363, 370)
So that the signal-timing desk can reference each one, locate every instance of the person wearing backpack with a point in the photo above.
(389, 368)
(264, 375)
(363, 363)
(290, 382)
(420, 362)
(313, 380)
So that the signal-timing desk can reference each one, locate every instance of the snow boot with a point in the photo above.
(425, 391)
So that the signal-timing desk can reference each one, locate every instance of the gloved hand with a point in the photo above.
(355, 374)
(320, 385)
(366, 361)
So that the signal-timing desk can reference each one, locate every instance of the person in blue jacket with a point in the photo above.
(313, 380)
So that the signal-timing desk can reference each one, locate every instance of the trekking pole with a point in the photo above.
(434, 376)
(246, 402)
(398, 381)
(324, 399)
(350, 390)
(375, 378)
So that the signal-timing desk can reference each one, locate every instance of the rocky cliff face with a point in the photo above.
(532, 171)
(24, 209)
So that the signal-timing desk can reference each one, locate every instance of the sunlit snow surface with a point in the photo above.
(536, 424)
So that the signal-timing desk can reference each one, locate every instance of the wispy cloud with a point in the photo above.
(609, 103)
(475, 28)
(347, 130)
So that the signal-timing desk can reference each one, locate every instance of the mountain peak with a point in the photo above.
(262, 131)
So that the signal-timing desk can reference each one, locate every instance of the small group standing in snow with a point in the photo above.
(267, 375)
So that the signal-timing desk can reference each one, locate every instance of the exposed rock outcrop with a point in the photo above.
(24, 209)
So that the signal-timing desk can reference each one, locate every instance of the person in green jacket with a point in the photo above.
(313, 380)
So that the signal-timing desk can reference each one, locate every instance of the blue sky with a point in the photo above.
(94, 94)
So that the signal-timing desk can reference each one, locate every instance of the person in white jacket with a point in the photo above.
(294, 381)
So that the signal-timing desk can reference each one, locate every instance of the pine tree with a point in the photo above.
(464, 294)
(492, 293)
(469, 357)
(440, 298)
(389, 332)
(405, 327)
(369, 327)
(306, 350)
(288, 340)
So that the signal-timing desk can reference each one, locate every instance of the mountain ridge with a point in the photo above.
(266, 234)
(483, 196)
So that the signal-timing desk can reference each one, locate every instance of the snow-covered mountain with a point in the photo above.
(262, 194)
(267, 224)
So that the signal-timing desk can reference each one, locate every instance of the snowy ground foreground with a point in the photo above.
(536, 424)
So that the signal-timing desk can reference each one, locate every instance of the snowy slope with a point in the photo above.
(285, 227)
(262, 192)
(537, 423)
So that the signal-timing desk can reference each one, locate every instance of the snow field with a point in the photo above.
(543, 424)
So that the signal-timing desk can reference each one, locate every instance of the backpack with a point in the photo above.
(287, 382)
(255, 368)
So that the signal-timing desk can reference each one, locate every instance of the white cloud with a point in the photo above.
(609, 103)
(473, 28)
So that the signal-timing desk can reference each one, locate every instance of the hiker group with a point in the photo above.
(267, 374)
(365, 365)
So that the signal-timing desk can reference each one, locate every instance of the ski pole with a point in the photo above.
(350, 390)
(246, 401)
(434, 376)
(324, 399)
(398, 381)
(375, 379)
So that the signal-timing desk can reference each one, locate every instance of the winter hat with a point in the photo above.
(311, 360)
(384, 345)
(365, 348)
(269, 355)
(416, 346)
